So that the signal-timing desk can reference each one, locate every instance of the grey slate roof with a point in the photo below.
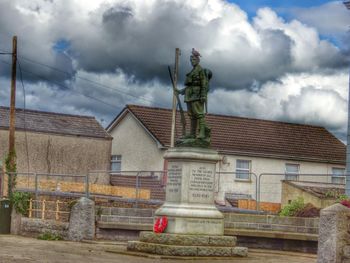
(56, 123)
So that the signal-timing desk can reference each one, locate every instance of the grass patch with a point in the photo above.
(50, 236)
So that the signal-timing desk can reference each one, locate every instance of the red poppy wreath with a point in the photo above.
(160, 224)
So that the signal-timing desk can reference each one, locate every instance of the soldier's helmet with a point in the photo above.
(195, 53)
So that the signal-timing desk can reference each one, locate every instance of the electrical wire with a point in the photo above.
(86, 79)
(63, 86)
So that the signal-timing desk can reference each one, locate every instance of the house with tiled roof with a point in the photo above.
(56, 143)
(248, 147)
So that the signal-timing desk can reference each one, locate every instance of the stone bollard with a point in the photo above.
(82, 220)
(334, 235)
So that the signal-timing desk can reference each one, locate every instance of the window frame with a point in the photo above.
(114, 161)
(335, 175)
(243, 170)
(286, 173)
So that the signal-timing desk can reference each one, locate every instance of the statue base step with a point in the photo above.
(187, 245)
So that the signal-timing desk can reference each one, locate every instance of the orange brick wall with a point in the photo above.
(264, 206)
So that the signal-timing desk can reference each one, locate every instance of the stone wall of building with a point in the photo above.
(59, 154)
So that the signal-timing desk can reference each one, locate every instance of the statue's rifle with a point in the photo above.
(182, 114)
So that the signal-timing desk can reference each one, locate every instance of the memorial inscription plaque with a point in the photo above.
(173, 190)
(201, 185)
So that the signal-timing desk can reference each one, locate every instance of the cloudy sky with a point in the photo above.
(278, 60)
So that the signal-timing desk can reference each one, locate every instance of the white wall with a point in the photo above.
(138, 149)
(270, 190)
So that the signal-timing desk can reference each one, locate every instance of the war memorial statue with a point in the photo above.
(196, 98)
(189, 223)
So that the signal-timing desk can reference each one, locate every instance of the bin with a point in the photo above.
(5, 216)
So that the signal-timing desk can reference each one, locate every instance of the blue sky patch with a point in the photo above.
(61, 45)
(252, 6)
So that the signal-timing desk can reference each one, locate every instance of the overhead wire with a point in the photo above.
(85, 79)
(63, 86)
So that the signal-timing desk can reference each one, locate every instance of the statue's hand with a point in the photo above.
(178, 91)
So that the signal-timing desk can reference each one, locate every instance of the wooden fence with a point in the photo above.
(44, 209)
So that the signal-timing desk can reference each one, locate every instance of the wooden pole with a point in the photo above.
(43, 210)
(13, 100)
(177, 55)
(11, 155)
(57, 209)
(30, 208)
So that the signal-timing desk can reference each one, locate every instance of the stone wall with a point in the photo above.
(232, 220)
(290, 192)
(61, 154)
(271, 223)
(33, 227)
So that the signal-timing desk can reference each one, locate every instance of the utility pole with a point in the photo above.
(11, 155)
(176, 71)
(347, 170)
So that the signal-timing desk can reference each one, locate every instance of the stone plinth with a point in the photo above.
(334, 235)
(195, 226)
(189, 204)
(187, 245)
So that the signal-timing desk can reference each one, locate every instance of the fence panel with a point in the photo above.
(52, 210)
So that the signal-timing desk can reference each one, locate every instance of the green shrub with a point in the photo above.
(342, 197)
(20, 202)
(292, 208)
(50, 236)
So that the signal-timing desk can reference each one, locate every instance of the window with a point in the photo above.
(292, 172)
(116, 163)
(338, 175)
(243, 169)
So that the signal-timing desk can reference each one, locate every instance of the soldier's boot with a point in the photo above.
(202, 127)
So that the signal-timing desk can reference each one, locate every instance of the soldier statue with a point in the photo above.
(195, 96)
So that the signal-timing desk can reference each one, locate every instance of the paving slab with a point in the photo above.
(17, 249)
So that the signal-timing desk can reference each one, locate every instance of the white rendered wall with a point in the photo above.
(138, 149)
(270, 184)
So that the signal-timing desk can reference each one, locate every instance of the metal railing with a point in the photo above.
(264, 187)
